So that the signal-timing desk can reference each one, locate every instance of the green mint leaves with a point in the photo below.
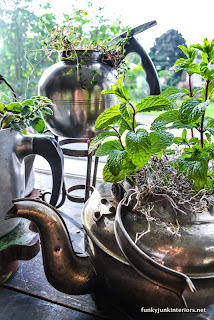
(129, 146)
(126, 144)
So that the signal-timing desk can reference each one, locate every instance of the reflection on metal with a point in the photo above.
(77, 95)
(119, 274)
(77, 102)
(14, 148)
(66, 271)
(153, 271)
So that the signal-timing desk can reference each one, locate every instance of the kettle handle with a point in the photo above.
(154, 272)
(147, 64)
(48, 148)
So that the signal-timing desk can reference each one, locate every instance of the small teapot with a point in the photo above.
(115, 265)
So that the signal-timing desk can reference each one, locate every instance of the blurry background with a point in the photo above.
(21, 33)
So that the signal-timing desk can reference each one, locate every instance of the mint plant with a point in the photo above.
(28, 113)
(129, 147)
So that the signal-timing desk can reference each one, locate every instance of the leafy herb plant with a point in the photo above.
(66, 38)
(28, 113)
(129, 146)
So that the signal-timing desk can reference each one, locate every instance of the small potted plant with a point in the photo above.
(168, 209)
(17, 119)
(67, 40)
(86, 67)
(74, 84)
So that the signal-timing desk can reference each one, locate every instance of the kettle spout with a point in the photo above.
(65, 271)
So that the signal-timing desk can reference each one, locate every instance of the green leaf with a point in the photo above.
(195, 171)
(194, 141)
(180, 125)
(179, 141)
(210, 89)
(107, 147)
(25, 110)
(124, 125)
(208, 137)
(115, 161)
(154, 103)
(206, 71)
(191, 110)
(211, 130)
(28, 102)
(184, 134)
(108, 117)
(18, 125)
(160, 141)
(120, 92)
(189, 52)
(185, 50)
(109, 177)
(126, 111)
(38, 124)
(163, 119)
(6, 121)
(210, 124)
(172, 93)
(47, 110)
(2, 107)
(99, 138)
(14, 107)
(197, 46)
(138, 146)
(197, 90)
(185, 65)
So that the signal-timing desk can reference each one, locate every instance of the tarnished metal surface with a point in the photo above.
(147, 267)
(115, 276)
(182, 242)
(14, 148)
(66, 271)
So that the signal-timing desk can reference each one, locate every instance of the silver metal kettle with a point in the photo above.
(15, 147)
(77, 100)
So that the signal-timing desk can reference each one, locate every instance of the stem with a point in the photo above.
(190, 86)
(191, 95)
(202, 130)
(134, 114)
(202, 118)
(14, 94)
(119, 136)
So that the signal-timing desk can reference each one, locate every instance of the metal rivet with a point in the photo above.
(103, 201)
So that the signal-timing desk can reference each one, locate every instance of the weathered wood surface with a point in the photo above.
(30, 279)
(17, 306)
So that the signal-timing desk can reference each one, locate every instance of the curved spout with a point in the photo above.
(66, 271)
